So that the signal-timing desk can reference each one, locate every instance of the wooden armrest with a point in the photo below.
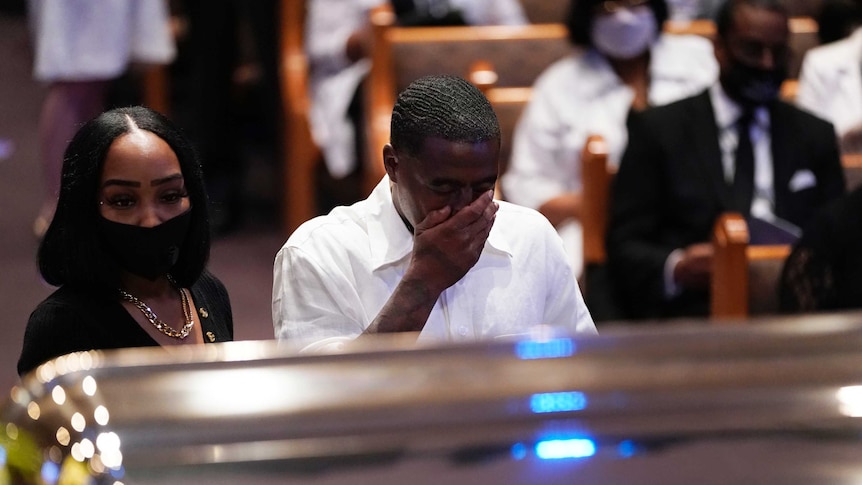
(300, 152)
(595, 194)
(729, 285)
(744, 278)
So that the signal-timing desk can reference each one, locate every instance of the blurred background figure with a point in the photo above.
(824, 270)
(735, 147)
(838, 19)
(337, 35)
(128, 245)
(621, 63)
(80, 47)
(687, 10)
(228, 97)
(830, 81)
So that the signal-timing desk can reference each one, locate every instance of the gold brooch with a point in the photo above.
(203, 312)
(211, 336)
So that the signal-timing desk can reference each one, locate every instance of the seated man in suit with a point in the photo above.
(686, 163)
(429, 251)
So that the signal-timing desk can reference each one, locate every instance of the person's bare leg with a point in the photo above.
(66, 107)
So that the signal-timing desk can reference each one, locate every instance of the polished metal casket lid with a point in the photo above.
(644, 405)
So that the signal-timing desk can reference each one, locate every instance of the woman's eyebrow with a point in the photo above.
(124, 183)
(166, 179)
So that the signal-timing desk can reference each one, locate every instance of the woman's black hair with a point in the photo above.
(581, 14)
(72, 252)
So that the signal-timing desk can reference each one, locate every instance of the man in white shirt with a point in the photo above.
(429, 251)
(830, 86)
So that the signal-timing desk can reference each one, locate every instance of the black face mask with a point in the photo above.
(148, 252)
(753, 86)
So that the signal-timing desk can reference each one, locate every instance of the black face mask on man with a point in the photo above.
(752, 85)
(148, 252)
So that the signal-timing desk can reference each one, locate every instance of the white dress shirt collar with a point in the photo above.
(727, 111)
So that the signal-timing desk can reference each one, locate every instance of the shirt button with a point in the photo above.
(462, 331)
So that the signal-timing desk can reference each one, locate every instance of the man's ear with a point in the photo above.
(390, 162)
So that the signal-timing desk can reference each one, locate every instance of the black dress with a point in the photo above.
(70, 320)
(824, 270)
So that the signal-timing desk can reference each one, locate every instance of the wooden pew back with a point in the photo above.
(300, 152)
(402, 54)
(745, 278)
(597, 175)
(852, 163)
(545, 11)
(508, 104)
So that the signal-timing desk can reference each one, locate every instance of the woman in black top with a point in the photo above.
(128, 245)
(824, 270)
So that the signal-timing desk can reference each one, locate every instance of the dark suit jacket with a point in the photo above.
(670, 189)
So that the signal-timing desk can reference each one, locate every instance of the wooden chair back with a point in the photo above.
(402, 54)
(803, 36)
(852, 163)
(300, 152)
(596, 175)
(545, 11)
(744, 277)
(508, 104)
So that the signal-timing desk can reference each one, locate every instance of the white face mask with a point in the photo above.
(626, 33)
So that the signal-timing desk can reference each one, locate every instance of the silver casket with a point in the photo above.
(777, 402)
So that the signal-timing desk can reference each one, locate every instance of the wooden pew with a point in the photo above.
(596, 175)
(403, 54)
(518, 53)
(545, 11)
(508, 103)
(852, 163)
(745, 278)
(300, 152)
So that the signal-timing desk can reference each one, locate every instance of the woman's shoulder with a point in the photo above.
(213, 303)
(209, 284)
(66, 299)
(63, 322)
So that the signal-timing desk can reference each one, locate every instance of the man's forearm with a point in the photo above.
(407, 309)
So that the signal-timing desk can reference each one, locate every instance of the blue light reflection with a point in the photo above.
(627, 448)
(565, 448)
(555, 402)
(519, 451)
(50, 472)
(549, 349)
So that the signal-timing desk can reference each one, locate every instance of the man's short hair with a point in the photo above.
(724, 16)
(446, 107)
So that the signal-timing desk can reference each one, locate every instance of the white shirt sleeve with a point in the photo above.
(310, 305)
(813, 93)
(565, 305)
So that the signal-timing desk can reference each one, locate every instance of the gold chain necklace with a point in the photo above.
(156, 321)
